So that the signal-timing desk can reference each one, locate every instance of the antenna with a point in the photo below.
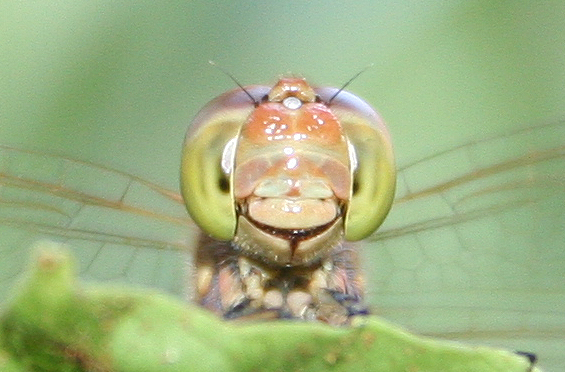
(349, 82)
(236, 82)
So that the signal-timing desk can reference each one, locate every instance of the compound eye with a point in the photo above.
(207, 161)
(374, 176)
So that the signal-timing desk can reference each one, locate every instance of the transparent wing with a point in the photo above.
(122, 228)
(473, 247)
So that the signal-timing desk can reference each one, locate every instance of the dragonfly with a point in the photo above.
(437, 239)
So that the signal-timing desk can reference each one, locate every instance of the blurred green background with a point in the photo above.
(117, 83)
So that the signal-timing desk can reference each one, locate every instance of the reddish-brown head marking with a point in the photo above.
(292, 87)
(278, 119)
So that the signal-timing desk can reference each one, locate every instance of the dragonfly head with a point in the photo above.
(287, 170)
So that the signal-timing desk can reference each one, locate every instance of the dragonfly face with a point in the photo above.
(286, 176)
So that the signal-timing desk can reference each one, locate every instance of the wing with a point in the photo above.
(121, 227)
(501, 172)
(473, 247)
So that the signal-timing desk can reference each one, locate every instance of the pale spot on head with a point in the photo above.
(299, 136)
(292, 163)
(292, 103)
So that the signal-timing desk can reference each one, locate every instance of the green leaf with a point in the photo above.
(53, 324)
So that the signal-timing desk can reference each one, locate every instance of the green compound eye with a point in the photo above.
(374, 179)
(206, 165)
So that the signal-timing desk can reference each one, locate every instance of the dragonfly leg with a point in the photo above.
(353, 303)
(236, 286)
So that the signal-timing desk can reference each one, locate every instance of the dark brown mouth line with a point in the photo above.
(294, 235)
